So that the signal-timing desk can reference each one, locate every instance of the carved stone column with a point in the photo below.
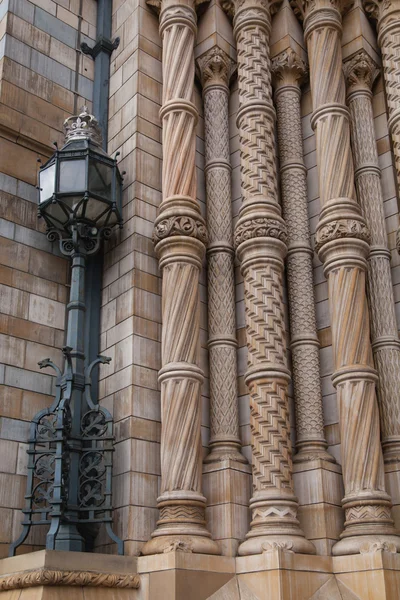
(289, 69)
(180, 237)
(260, 238)
(360, 73)
(387, 15)
(225, 469)
(342, 243)
(215, 70)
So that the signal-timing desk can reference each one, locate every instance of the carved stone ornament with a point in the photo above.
(360, 71)
(84, 125)
(40, 577)
(271, 546)
(287, 63)
(178, 546)
(180, 226)
(341, 228)
(373, 547)
(216, 67)
(262, 227)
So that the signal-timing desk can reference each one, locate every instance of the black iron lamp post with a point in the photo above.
(71, 443)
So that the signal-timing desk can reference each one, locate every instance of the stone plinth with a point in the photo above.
(275, 574)
(53, 575)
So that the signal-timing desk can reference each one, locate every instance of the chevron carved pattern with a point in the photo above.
(256, 130)
(260, 237)
(265, 327)
(269, 422)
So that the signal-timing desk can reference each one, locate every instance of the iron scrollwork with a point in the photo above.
(49, 461)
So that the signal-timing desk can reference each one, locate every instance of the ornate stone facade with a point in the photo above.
(250, 304)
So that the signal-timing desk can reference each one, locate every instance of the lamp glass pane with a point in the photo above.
(47, 182)
(72, 176)
(100, 178)
(57, 215)
(94, 208)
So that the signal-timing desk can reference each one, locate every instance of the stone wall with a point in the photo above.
(43, 80)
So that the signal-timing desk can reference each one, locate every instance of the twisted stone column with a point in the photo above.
(180, 236)
(260, 238)
(387, 15)
(342, 243)
(289, 70)
(360, 73)
(215, 70)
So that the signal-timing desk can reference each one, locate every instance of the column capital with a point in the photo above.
(385, 12)
(288, 69)
(160, 5)
(215, 68)
(231, 7)
(360, 72)
(303, 8)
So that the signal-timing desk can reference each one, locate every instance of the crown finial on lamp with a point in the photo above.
(81, 126)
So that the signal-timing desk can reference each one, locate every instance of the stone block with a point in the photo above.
(51, 69)
(45, 311)
(14, 302)
(35, 382)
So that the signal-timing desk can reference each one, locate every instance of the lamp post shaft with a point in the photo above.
(68, 537)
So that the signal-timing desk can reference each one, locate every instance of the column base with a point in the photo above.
(181, 526)
(318, 485)
(163, 544)
(392, 479)
(274, 525)
(363, 544)
(264, 543)
(227, 486)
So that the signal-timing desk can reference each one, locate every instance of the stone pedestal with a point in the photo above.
(275, 574)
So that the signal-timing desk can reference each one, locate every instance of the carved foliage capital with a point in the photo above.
(157, 4)
(302, 8)
(231, 7)
(375, 8)
(339, 229)
(215, 67)
(360, 71)
(180, 225)
(260, 227)
(288, 67)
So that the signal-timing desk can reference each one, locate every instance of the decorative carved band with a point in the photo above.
(52, 577)
(180, 226)
(260, 227)
(341, 228)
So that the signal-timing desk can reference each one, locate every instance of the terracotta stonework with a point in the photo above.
(250, 305)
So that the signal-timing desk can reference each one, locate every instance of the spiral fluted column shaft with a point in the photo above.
(342, 243)
(387, 15)
(260, 238)
(361, 72)
(215, 69)
(288, 71)
(180, 237)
